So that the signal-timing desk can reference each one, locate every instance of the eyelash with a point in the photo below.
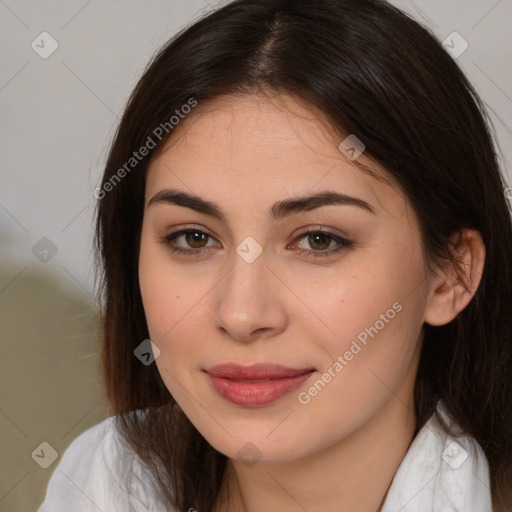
(343, 243)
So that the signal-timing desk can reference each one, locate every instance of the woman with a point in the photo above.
(306, 271)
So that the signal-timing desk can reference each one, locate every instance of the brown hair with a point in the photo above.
(376, 73)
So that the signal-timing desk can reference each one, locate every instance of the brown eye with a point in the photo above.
(319, 241)
(192, 242)
(196, 239)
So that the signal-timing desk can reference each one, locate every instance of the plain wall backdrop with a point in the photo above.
(58, 112)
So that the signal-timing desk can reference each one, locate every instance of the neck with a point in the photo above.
(353, 475)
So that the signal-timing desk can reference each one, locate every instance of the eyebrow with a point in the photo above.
(278, 210)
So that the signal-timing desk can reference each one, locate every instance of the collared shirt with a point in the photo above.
(441, 473)
(100, 473)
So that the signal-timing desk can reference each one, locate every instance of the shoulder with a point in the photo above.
(99, 471)
(442, 471)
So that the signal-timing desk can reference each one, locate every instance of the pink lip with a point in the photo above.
(256, 385)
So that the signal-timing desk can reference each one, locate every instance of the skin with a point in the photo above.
(340, 451)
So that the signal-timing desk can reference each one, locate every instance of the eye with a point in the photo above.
(195, 238)
(323, 242)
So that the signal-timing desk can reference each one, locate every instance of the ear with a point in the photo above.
(450, 292)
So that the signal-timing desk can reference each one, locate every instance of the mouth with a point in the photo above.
(256, 385)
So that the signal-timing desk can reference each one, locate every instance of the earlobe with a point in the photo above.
(450, 291)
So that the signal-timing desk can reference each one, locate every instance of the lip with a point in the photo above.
(256, 385)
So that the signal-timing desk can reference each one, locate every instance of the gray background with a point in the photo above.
(58, 116)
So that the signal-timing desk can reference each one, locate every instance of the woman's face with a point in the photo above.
(343, 308)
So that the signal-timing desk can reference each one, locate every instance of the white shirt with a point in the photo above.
(438, 473)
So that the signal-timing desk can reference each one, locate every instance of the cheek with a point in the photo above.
(375, 318)
(367, 330)
(169, 310)
(174, 308)
(162, 289)
(356, 300)
(171, 319)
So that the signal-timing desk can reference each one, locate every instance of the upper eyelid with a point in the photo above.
(322, 229)
(319, 229)
(341, 241)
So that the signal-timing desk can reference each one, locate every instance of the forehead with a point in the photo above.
(258, 149)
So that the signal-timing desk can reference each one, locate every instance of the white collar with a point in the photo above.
(441, 473)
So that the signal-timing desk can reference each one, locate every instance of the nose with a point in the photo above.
(249, 301)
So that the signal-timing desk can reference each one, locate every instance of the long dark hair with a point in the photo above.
(375, 73)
